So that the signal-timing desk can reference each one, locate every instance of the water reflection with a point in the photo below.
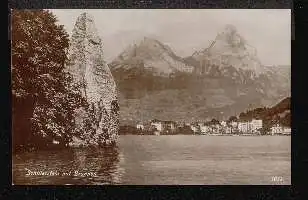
(164, 160)
(75, 166)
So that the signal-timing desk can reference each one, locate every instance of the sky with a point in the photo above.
(189, 30)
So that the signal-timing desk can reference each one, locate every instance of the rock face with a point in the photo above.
(94, 81)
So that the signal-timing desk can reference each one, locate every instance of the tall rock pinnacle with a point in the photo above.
(92, 74)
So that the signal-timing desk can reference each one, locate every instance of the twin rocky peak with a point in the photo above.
(227, 49)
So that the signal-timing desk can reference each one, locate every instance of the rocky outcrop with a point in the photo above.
(94, 81)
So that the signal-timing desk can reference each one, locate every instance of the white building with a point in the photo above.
(55, 142)
(200, 124)
(157, 125)
(180, 124)
(204, 129)
(228, 130)
(251, 126)
(170, 124)
(194, 128)
(223, 123)
(163, 125)
(243, 127)
(276, 129)
(215, 129)
(256, 124)
(140, 126)
(287, 131)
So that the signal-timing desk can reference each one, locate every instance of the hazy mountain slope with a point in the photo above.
(281, 112)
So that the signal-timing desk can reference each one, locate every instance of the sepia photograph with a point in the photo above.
(151, 96)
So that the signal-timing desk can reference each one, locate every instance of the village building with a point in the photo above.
(256, 124)
(55, 142)
(250, 126)
(286, 131)
(157, 125)
(163, 125)
(200, 124)
(194, 128)
(169, 125)
(228, 130)
(180, 124)
(244, 127)
(223, 123)
(276, 129)
(215, 128)
(140, 126)
(204, 129)
(218, 128)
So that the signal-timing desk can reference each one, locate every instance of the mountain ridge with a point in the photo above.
(218, 80)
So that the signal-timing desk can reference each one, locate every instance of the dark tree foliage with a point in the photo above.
(214, 122)
(185, 130)
(43, 98)
(232, 119)
(286, 121)
(129, 130)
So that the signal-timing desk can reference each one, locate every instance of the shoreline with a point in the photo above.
(69, 148)
(246, 135)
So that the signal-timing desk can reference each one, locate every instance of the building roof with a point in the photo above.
(155, 120)
(162, 121)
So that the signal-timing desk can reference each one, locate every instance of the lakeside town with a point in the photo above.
(275, 120)
(213, 127)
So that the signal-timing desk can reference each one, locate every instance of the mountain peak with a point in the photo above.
(154, 55)
(229, 35)
(148, 39)
(229, 48)
(146, 47)
(229, 28)
(151, 43)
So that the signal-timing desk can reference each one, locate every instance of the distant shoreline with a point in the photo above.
(203, 135)
(56, 147)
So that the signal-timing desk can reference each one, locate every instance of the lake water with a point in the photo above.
(179, 159)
